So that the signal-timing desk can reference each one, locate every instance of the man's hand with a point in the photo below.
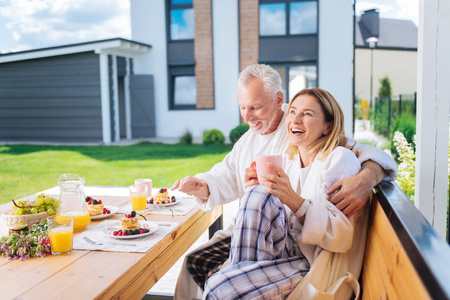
(352, 193)
(250, 176)
(192, 185)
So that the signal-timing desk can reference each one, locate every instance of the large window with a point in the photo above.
(181, 20)
(287, 17)
(297, 78)
(183, 88)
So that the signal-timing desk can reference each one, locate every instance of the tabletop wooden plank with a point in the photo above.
(24, 275)
(105, 275)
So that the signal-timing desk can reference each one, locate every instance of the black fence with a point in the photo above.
(387, 109)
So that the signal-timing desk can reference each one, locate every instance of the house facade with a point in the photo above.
(200, 46)
(393, 55)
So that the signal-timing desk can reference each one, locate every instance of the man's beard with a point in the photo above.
(265, 126)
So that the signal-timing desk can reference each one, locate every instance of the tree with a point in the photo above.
(385, 87)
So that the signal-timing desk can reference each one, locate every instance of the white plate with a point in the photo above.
(113, 209)
(164, 205)
(152, 226)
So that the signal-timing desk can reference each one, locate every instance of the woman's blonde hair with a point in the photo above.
(333, 113)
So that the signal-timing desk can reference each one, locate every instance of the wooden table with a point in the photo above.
(102, 275)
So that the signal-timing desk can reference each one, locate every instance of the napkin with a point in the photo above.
(143, 244)
(185, 204)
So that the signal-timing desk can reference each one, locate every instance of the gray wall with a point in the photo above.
(51, 99)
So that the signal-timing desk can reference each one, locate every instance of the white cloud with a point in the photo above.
(361, 6)
(399, 9)
(409, 10)
(43, 23)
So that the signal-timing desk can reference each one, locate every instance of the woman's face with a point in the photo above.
(306, 122)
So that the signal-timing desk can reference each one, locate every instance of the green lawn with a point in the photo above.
(27, 169)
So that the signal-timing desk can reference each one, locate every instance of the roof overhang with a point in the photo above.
(116, 46)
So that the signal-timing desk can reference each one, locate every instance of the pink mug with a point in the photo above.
(262, 169)
(142, 182)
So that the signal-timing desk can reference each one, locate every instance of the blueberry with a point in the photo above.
(94, 202)
(130, 232)
(151, 201)
(136, 231)
(146, 230)
(161, 190)
(88, 198)
(133, 214)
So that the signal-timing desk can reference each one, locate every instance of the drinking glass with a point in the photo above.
(60, 229)
(138, 196)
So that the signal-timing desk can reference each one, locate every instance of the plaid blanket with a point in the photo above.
(263, 262)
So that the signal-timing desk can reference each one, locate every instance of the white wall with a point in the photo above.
(336, 54)
(400, 66)
(148, 26)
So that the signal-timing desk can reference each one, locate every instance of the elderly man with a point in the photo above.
(262, 107)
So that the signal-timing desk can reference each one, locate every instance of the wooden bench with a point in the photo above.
(405, 258)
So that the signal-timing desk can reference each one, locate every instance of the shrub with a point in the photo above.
(385, 87)
(406, 179)
(186, 138)
(406, 124)
(213, 136)
(237, 132)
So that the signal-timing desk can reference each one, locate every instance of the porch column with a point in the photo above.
(433, 98)
(104, 91)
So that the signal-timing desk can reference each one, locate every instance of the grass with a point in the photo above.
(28, 169)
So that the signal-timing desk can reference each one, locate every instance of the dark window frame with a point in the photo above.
(288, 18)
(169, 8)
(176, 71)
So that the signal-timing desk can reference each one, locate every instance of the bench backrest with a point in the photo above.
(405, 258)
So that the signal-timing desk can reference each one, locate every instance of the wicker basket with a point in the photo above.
(24, 219)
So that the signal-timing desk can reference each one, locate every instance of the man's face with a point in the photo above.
(257, 108)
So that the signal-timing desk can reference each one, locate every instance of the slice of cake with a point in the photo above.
(95, 207)
(129, 222)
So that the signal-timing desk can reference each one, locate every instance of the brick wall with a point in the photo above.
(248, 32)
(203, 53)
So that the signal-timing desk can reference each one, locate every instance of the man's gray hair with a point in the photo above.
(270, 78)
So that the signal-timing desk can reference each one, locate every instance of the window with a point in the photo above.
(287, 17)
(185, 90)
(297, 78)
(182, 88)
(181, 20)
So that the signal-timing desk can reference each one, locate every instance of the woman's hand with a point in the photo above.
(250, 176)
(280, 186)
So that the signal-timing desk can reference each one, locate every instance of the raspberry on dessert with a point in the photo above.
(165, 190)
(99, 202)
(115, 232)
(141, 231)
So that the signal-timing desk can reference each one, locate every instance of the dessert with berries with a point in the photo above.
(129, 222)
(95, 207)
(162, 197)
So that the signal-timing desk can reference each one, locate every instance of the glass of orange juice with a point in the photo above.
(138, 196)
(60, 229)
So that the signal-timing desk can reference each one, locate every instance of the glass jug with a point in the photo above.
(72, 199)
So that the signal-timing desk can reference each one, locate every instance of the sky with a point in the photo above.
(33, 24)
